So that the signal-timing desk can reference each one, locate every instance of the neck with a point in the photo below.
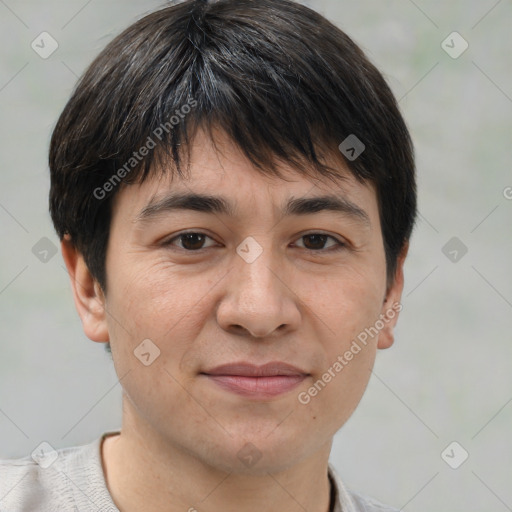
(144, 473)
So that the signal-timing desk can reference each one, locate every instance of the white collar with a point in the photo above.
(343, 502)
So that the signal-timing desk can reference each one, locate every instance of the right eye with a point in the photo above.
(190, 241)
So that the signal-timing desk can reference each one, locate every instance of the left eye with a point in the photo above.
(314, 241)
(317, 241)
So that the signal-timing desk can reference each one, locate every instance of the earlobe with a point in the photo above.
(87, 293)
(392, 303)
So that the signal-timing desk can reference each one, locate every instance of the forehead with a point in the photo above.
(219, 168)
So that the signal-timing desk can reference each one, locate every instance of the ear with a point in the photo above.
(87, 293)
(392, 306)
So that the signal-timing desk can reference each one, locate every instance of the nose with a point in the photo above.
(259, 299)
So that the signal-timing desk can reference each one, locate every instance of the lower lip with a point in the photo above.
(257, 387)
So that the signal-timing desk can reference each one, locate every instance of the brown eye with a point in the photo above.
(317, 242)
(189, 241)
(192, 241)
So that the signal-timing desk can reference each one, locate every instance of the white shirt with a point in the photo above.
(74, 482)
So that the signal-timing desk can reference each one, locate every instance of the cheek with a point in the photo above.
(338, 392)
(334, 391)
(168, 307)
(159, 299)
(344, 304)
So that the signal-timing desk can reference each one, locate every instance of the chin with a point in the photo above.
(260, 454)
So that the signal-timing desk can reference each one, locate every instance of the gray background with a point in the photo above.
(447, 378)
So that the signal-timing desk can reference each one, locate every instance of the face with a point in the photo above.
(272, 277)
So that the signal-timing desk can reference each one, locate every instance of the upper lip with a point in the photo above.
(246, 369)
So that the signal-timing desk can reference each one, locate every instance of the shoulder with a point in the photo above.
(28, 485)
(50, 480)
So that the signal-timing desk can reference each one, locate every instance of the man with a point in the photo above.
(243, 295)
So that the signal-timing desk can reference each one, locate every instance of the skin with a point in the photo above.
(298, 302)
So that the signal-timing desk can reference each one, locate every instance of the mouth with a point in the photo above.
(256, 382)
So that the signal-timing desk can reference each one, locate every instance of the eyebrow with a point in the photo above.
(219, 205)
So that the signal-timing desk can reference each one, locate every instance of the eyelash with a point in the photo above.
(338, 247)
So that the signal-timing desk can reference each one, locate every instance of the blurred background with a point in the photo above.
(433, 431)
